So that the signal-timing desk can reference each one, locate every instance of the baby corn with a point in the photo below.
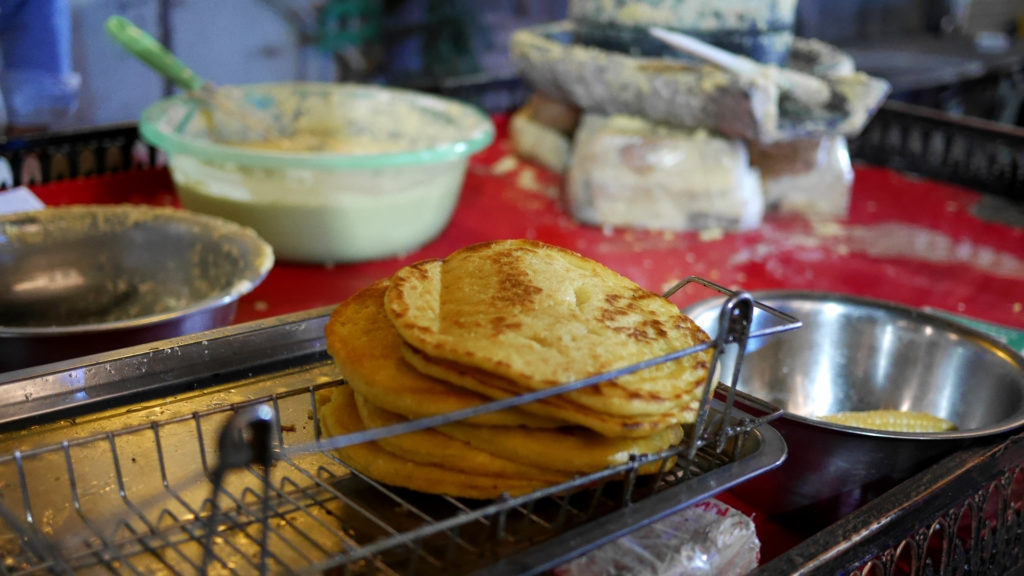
(891, 421)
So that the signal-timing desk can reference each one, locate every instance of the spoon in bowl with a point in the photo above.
(233, 117)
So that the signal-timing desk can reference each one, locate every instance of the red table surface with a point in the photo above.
(907, 240)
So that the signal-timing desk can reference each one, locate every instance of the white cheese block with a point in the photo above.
(539, 142)
(628, 172)
(555, 114)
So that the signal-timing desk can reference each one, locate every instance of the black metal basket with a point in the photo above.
(979, 154)
(53, 157)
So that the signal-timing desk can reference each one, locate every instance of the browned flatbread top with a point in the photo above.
(366, 349)
(540, 316)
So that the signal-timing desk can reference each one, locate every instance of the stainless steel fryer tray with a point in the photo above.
(132, 500)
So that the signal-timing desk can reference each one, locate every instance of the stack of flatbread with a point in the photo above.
(499, 319)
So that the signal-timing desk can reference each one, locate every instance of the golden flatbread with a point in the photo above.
(340, 416)
(498, 388)
(433, 447)
(540, 316)
(366, 349)
(572, 449)
(515, 452)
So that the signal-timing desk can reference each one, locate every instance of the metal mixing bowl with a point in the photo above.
(82, 279)
(859, 354)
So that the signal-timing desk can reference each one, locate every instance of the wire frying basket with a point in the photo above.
(253, 487)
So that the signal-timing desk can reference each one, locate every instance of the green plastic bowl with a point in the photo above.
(386, 182)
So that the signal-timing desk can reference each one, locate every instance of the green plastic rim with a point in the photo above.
(161, 131)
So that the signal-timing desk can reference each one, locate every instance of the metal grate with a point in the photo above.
(43, 158)
(156, 498)
(123, 501)
(979, 154)
(964, 515)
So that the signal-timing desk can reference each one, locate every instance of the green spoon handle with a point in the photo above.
(152, 52)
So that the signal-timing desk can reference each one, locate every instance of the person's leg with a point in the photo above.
(36, 78)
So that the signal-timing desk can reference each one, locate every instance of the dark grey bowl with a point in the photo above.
(82, 279)
(761, 30)
(770, 45)
(859, 354)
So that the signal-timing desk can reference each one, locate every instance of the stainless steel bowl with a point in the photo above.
(859, 354)
(83, 279)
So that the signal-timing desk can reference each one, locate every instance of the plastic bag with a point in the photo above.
(708, 538)
(812, 177)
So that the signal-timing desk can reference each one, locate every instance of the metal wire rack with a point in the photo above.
(252, 486)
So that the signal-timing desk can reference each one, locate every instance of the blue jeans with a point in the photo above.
(37, 82)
